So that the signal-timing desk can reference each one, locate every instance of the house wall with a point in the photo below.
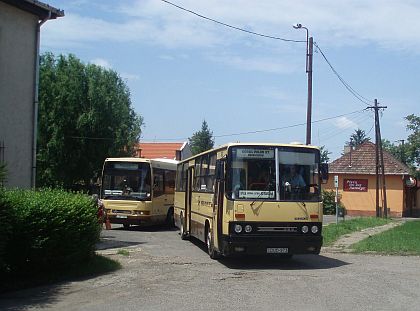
(17, 76)
(364, 203)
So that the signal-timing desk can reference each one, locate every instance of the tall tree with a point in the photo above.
(324, 154)
(357, 138)
(202, 140)
(85, 115)
(413, 140)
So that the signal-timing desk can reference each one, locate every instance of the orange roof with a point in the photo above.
(363, 160)
(158, 150)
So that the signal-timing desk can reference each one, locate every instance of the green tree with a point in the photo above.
(357, 138)
(202, 140)
(85, 115)
(398, 151)
(324, 154)
(413, 140)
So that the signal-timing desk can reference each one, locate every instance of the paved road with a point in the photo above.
(163, 272)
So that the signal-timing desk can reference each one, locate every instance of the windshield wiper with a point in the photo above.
(266, 188)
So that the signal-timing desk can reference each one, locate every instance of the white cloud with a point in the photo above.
(391, 24)
(345, 123)
(130, 76)
(101, 62)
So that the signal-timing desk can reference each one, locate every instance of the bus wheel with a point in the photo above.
(184, 235)
(126, 226)
(170, 221)
(210, 245)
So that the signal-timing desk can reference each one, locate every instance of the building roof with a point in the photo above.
(159, 150)
(362, 161)
(37, 8)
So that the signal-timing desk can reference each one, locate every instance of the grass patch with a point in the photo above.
(97, 265)
(333, 232)
(123, 252)
(401, 240)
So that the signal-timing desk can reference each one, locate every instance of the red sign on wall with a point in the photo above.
(358, 185)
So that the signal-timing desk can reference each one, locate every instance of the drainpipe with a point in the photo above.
(36, 101)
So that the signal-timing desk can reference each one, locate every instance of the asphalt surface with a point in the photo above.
(162, 272)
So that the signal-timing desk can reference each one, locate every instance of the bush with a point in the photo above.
(50, 229)
(328, 198)
(5, 227)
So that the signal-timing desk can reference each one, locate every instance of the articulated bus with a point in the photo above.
(138, 191)
(252, 199)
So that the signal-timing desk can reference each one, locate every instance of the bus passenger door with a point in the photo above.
(188, 194)
(219, 193)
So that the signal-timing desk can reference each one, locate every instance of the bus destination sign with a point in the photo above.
(251, 153)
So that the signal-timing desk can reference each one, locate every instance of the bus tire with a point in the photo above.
(184, 235)
(210, 244)
(170, 221)
(126, 226)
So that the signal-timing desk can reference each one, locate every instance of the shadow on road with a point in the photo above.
(40, 297)
(297, 262)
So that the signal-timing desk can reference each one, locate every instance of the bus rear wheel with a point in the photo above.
(210, 245)
(126, 226)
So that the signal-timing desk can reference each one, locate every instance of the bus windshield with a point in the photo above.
(126, 181)
(254, 172)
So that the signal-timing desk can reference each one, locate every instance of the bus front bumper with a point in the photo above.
(129, 219)
(270, 245)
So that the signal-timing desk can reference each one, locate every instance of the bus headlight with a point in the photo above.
(248, 228)
(305, 229)
(238, 228)
(314, 229)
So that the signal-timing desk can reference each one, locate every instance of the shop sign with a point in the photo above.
(357, 185)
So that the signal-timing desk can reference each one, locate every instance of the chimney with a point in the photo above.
(178, 155)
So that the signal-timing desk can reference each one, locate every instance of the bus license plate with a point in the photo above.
(277, 250)
(121, 216)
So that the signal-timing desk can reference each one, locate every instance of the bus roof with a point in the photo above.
(161, 163)
(225, 146)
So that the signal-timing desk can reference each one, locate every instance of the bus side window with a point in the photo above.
(158, 185)
(169, 182)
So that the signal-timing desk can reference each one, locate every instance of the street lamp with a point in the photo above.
(309, 56)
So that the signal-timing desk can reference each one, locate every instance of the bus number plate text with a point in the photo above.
(277, 250)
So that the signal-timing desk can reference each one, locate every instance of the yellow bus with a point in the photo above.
(252, 199)
(138, 191)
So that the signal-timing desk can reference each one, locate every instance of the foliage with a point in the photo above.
(409, 151)
(202, 140)
(324, 154)
(328, 200)
(85, 115)
(5, 227)
(48, 229)
(333, 232)
(3, 174)
(357, 138)
(400, 240)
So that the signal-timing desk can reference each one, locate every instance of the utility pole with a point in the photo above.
(379, 162)
(309, 60)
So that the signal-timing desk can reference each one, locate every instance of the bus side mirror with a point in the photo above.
(220, 170)
(323, 170)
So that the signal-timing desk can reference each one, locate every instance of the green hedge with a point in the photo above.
(328, 199)
(46, 229)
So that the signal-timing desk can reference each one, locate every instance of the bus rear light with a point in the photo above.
(142, 213)
(238, 228)
(305, 229)
(314, 216)
(240, 216)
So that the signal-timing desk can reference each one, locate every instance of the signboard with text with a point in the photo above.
(357, 185)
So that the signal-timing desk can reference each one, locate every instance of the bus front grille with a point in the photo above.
(119, 211)
(277, 229)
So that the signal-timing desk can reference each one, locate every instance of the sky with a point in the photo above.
(182, 69)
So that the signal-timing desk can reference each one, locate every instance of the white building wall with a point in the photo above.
(17, 80)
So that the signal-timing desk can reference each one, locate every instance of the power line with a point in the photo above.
(264, 130)
(230, 26)
(346, 85)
